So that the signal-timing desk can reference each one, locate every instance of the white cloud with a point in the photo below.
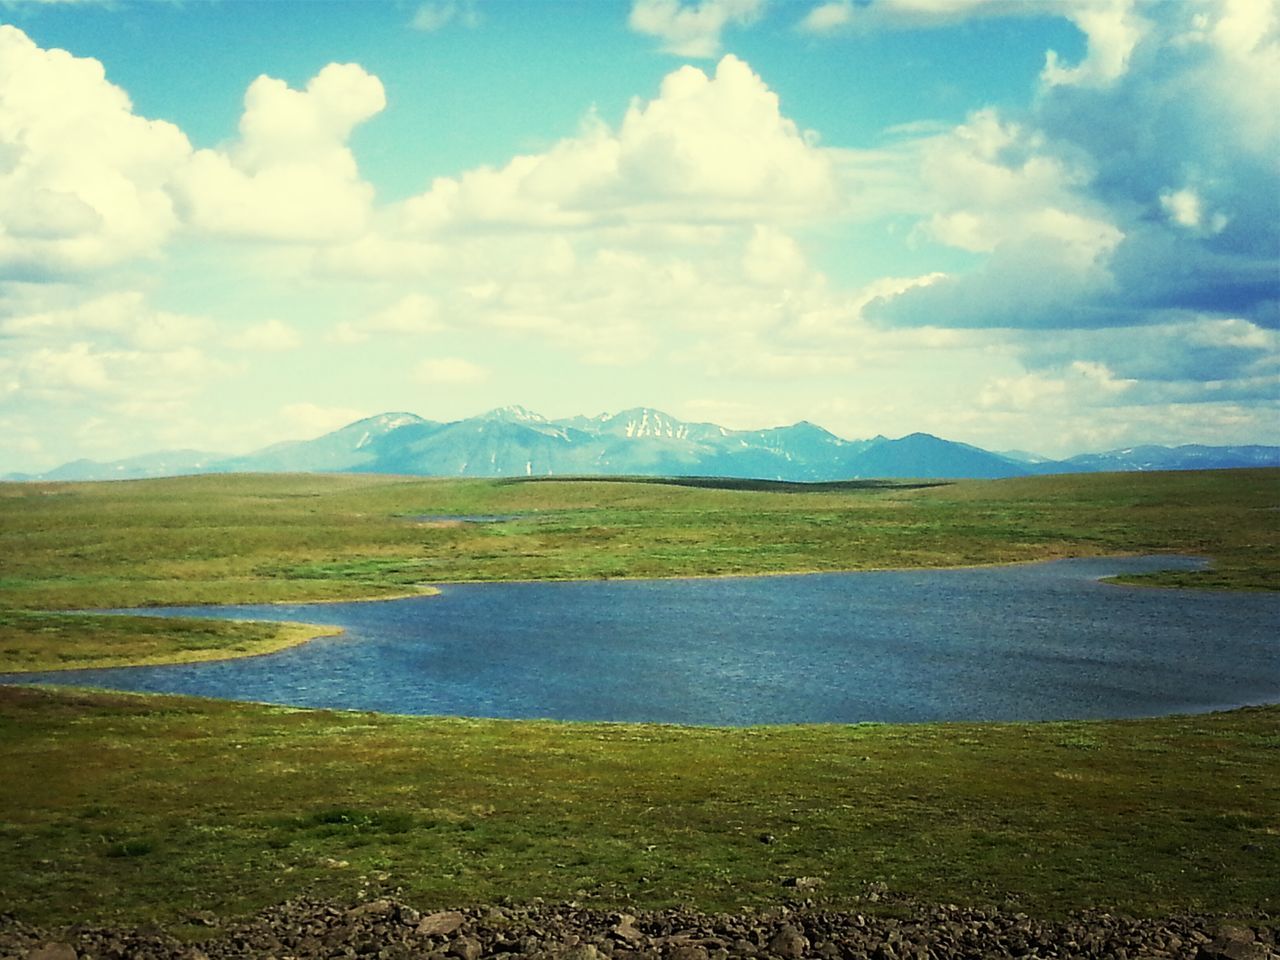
(449, 371)
(828, 17)
(840, 16)
(83, 182)
(1000, 189)
(121, 317)
(72, 372)
(772, 257)
(412, 315)
(270, 336)
(1113, 28)
(1183, 207)
(706, 150)
(290, 175)
(437, 14)
(692, 29)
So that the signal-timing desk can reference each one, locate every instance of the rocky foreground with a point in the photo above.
(389, 930)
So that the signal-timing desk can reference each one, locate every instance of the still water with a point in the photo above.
(1027, 642)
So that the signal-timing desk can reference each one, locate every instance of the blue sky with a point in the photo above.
(1050, 226)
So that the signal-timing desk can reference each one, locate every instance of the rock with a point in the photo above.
(626, 931)
(788, 943)
(53, 951)
(374, 908)
(1237, 931)
(440, 924)
(1233, 948)
(466, 948)
(385, 929)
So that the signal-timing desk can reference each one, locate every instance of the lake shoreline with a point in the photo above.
(1020, 642)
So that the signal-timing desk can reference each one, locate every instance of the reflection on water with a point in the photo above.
(1038, 641)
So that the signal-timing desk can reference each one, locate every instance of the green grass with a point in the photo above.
(268, 538)
(140, 809)
(31, 641)
(143, 809)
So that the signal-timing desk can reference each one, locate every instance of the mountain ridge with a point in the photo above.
(641, 441)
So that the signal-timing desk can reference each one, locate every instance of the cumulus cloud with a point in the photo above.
(1113, 29)
(120, 317)
(705, 150)
(412, 315)
(83, 179)
(772, 257)
(1204, 349)
(68, 373)
(692, 29)
(1080, 221)
(290, 175)
(998, 189)
(86, 184)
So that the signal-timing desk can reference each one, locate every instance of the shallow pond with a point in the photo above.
(1026, 642)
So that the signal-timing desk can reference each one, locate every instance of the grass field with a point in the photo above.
(142, 809)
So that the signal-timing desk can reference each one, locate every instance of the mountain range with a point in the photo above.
(512, 441)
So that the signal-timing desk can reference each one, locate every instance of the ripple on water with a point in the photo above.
(1025, 642)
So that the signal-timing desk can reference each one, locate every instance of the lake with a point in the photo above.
(1024, 642)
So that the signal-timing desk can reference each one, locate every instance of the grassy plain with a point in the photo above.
(128, 808)
(143, 809)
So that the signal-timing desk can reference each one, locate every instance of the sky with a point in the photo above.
(1040, 225)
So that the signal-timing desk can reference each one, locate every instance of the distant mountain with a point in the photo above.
(1187, 457)
(341, 451)
(924, 455)
(170, 463)
(514, 442)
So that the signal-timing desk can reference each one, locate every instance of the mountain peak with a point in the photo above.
(646, 422)
(513, 414)
(386, 422)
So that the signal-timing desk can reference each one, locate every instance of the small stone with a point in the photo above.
(788, 943)
(625, 929)
(440, 924)
(53, 951)
(374, 908)
(466, 948)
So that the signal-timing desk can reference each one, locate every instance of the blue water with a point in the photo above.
(1028, 642)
